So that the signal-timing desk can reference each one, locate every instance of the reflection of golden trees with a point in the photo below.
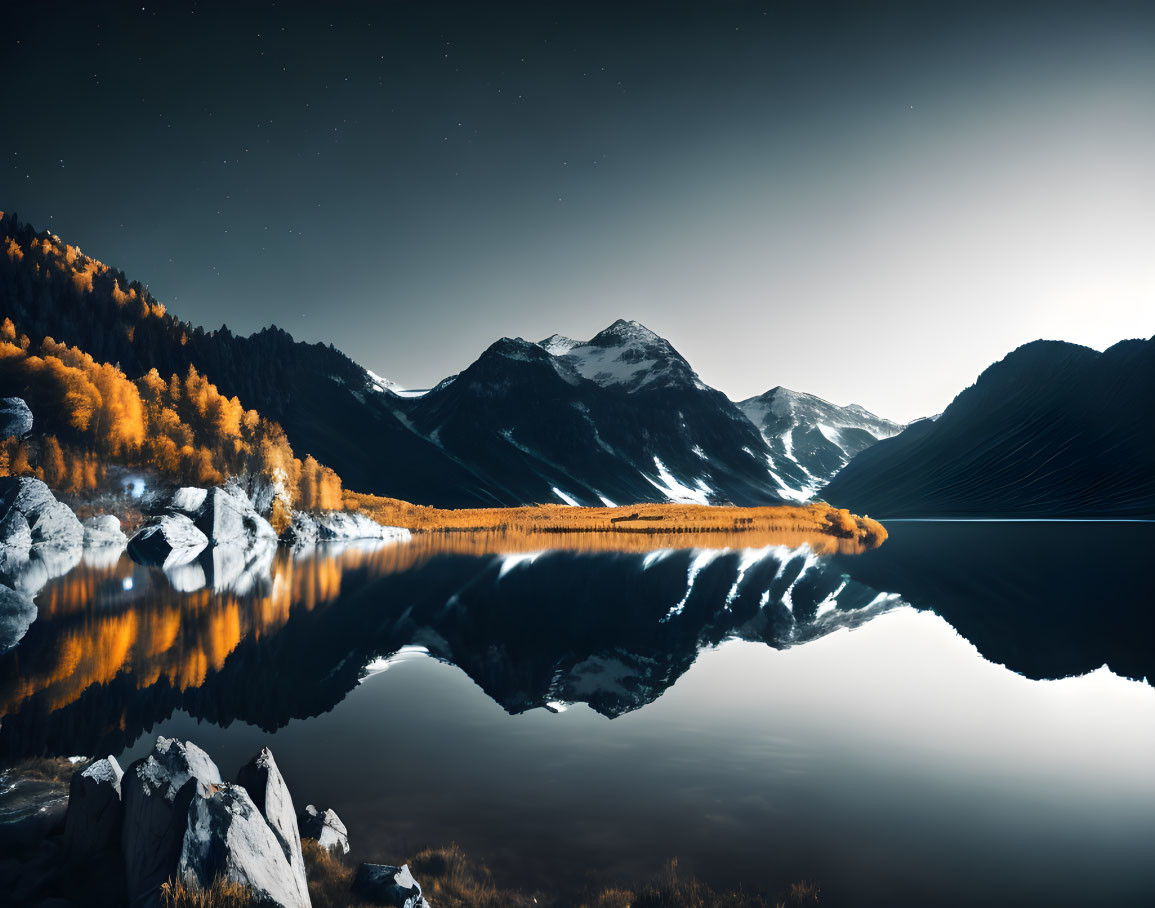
(162, 633)
(156, 632)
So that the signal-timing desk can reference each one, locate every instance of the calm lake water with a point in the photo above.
(960, 716)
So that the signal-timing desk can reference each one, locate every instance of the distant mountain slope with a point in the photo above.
(1052, 430)
(817, 436)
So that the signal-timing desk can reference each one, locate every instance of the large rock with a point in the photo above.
(157, 792)
(326, 827)
(228, 517)
(95, 810)
(383, 884)
(25, 494)
(227, 838)
(15, 540)
(15, 418)
(338, 526)
(169, 540)
(55, 525)
(17, 612)
(50, 522)
(261, 778)
(103, 530)
(188, 500)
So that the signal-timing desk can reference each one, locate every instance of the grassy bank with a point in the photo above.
(638, 527)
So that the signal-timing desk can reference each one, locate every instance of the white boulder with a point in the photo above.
(15, 417)
(169, 540)
(227, 838)
(188, 500)
(326, 827)
(383, 884)
(261, 778)
(103, 530)
(50, 522)
(229, 517)
(339, 526)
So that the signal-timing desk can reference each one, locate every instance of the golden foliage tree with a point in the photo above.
(182, 427)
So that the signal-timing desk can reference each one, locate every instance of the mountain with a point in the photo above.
(626, 356)
(1052, 430)
(816, 436)
(619, 418)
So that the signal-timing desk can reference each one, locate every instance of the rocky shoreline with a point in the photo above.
(200, 538)
(170, 824)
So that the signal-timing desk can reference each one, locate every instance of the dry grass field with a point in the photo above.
(641, 527)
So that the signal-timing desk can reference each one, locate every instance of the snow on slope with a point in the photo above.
(816, 435)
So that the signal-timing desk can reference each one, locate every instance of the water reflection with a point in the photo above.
(1047, 600)
(117, 646)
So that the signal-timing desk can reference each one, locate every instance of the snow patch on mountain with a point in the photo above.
(566, 499)
(626, 355)
(676, 490)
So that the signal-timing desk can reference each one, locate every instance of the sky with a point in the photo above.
(867, 202)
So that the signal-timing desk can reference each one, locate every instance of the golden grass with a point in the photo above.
(330, 878)
(641, 527)
(222, 894)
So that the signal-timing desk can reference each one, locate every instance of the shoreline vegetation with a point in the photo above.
(640, 527)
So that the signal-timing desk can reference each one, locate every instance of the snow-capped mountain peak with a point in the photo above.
(628, 356)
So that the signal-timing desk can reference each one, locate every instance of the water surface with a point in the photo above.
(930, 722)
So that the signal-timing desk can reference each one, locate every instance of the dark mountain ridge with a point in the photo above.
(1052, 430)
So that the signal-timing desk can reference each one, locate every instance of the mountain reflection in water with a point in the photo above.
(118, 646)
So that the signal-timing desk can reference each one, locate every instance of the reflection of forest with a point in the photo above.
(127, 618)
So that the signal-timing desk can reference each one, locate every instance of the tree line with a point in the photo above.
(90, 414)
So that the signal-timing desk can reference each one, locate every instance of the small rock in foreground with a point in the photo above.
(326, 827)
(384, 884)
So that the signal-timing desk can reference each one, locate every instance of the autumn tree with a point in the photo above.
(52, 462)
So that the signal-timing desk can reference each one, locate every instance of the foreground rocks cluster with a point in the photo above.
(170, 818)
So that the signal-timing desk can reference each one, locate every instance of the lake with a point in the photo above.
(959, 716)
